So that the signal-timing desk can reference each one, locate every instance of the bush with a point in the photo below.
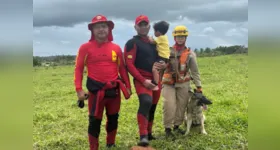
(37, 61)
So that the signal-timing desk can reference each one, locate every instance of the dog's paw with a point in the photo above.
(204, 132)
(187, 133)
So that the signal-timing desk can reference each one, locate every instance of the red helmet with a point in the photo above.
(98, 19)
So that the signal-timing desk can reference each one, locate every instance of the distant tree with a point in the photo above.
(36, 61)
(196, 51)
(201, 50)
(216, 53)
(207, 50)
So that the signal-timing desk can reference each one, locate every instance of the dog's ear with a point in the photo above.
(206, 101)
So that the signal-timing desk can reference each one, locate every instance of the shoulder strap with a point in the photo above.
(184, 56)
(188, 59)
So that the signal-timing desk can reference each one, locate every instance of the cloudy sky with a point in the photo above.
(60, 27)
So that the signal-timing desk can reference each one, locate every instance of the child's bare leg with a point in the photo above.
(160, 73)
(155, 77)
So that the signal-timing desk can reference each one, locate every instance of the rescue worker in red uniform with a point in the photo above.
(140, 55)
(104, 60)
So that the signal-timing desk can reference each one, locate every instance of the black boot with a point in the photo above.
(178, 130)
(110, 145)
(168, 133)
(143, 141)
(151, 137)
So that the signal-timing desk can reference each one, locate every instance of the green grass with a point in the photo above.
(59, 124)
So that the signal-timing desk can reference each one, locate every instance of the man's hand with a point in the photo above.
(151, 40)
(82, 95)
(160, 66)
(148, 84)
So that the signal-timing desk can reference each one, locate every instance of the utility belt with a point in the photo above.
(172, 78)
(110, 88)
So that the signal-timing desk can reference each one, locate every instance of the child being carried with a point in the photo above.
(162, 44)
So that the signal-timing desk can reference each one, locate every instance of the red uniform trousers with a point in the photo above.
(148, 100)
(95, 109)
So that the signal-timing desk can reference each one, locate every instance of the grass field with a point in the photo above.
(59, 124)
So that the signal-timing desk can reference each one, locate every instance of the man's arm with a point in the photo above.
(122, 69)
(129, 57)
(79, 67)
(195, 71)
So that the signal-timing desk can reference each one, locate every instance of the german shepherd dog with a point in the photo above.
(195, 115)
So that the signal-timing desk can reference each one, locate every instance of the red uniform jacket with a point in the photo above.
(103, 61)
(140, 56)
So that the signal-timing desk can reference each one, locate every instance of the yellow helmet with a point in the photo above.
(180, 31)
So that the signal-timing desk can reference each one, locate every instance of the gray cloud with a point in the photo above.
(233, 11)
(66, 40)
(65, 13)
(60, 27)
(16, 22)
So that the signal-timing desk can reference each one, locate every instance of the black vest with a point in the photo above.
(146, 54)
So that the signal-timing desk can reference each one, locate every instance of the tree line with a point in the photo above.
(221, 50)
(54, 60)
(202, 52)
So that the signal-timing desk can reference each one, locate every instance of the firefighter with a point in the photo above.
(104, 61)
(140, 55)
(181, 68)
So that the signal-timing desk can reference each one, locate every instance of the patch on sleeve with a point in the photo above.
(129, 56)
(114, 56)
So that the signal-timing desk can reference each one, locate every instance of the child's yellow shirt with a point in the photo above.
(163, 46)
